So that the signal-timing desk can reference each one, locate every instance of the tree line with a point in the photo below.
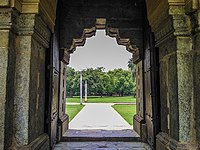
(100, 83)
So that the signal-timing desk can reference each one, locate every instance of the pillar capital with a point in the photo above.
(46, 9)
(26, 6)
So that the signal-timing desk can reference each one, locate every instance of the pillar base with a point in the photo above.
(140, 126)
(164, 142)
(41, 143)
(63, 125)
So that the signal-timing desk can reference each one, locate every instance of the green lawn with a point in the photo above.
(96, 99)
(73, 110)
(126, 111)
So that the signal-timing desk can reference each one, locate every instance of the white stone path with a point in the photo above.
(110, 124)
(99, 116)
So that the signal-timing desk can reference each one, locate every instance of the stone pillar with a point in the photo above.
(193, 11)
(63, 117)
(139, 124)
(173, 37)
(7, 73)
(29, 101)
(86, 90)
(139, 121)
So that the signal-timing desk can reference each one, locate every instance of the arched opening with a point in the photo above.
(32, 96)
(129, 30)
(108, 90)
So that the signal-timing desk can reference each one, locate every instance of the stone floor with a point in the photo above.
(102, 146)
(100, 127)
(101, 133)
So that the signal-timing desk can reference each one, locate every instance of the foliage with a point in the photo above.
(116, 82)
(73, 110)
(99, 99)
(126, 111)
(132, 67)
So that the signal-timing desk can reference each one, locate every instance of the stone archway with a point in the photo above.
(26, 28)
(130, 29)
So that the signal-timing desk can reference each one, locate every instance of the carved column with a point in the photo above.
(31, 43)
(139, 123)
(7, 73)
(193, 11)
(63, 120)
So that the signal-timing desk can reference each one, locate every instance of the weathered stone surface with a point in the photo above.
(185, 85)
(4, 2)
(163, 94)
(37, 88)
(197, 93)
(173, 96)
(103, 146)
(7, 70)
(22, 86)
(30, 79)
(179, 60)
(196, 74)
(40, 143)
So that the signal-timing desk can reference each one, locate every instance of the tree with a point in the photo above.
(70, 73)
(132, 67)
(117, 81)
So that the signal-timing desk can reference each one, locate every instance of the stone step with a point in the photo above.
(107, 139)
(101, 135)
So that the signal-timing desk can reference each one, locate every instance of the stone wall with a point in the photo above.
(196, 76)
(196, 72)
(24, 39)
(177, 73)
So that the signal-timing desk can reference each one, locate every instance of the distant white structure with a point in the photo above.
(81, 95)
(85, 90)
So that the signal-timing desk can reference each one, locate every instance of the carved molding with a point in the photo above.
(64, 56)
(154, 8)
(48, 12)
(46, 8)
(8, 19)
(114, 33)
(26, 6)
(87, 33)
(164, 31)
(172, 20)
(41, 32)
(191, 6)
(25, 24)
(33, 25)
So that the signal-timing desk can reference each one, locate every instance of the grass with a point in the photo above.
(96, 99)
(126, 111)
(73, 110)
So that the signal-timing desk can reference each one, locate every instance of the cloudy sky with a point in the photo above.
(100, 51)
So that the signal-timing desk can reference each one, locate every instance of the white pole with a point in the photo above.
(81, 95)
(85, 90)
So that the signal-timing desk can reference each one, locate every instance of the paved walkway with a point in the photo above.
(100, 127)
(99, 116)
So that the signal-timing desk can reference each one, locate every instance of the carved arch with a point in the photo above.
(89, 32)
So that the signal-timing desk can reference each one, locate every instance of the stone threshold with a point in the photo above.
(101, 135)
